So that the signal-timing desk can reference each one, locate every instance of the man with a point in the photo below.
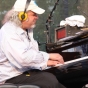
(21, 62)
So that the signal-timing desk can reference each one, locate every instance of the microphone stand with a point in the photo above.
(48, 23)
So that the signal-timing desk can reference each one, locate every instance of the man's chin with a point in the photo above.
(33, 26)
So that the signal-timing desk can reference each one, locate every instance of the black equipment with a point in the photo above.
(77, 39)
(74, 74)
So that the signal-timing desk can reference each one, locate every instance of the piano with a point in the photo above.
(74, 72)
(68, 42)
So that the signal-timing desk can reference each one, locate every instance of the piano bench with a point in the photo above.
(10, 85)
(28, 86)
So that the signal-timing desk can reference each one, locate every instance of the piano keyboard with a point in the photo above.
(72, 61)
(67, 63)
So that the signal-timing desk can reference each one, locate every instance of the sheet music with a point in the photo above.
(71, 61)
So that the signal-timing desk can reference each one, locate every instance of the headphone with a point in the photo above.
(23, 15)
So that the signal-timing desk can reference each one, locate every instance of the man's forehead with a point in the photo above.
(31, 12)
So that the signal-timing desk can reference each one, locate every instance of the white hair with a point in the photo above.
(12, 15)
(7, 16)
(14, 18)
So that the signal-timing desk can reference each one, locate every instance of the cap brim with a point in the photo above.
(38, 10)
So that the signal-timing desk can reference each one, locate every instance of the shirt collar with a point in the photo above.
(20, 31)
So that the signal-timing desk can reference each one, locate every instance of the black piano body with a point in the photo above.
(74, 75)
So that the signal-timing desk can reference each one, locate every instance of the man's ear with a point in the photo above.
(23, 16)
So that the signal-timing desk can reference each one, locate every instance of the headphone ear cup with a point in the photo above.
(22, 16)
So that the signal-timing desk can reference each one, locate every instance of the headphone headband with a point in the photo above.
(27, 3)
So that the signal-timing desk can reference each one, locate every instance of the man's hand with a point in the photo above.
(54, 59)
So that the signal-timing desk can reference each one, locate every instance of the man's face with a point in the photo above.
(31, 20)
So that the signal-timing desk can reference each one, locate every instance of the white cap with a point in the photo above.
(21, 4)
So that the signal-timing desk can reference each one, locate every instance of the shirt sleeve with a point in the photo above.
(22, 54)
